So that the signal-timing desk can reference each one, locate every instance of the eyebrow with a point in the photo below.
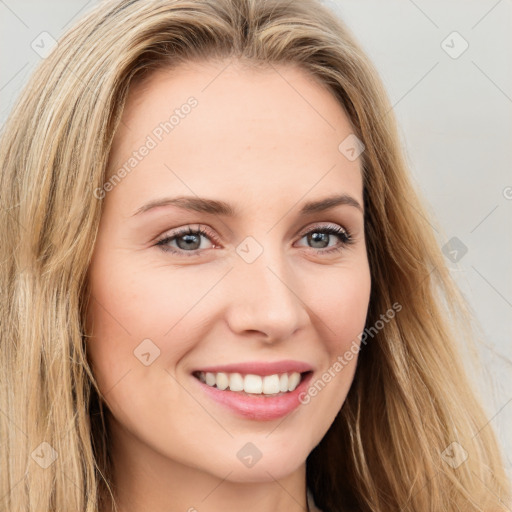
(216, 207)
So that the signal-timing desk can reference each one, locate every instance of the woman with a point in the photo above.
(219, 289)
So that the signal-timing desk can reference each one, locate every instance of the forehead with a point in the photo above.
(250, 128)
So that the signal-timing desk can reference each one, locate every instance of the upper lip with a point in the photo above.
(260, 367)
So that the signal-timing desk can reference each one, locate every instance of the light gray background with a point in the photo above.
(455, 118)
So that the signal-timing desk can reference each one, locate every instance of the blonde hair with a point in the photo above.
(410, 398)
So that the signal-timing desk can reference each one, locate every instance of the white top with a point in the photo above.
(311, 502)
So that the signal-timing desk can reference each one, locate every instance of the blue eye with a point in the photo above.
(321, 234)
(188, 240)
(185, 238)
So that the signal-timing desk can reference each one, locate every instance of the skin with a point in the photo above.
(265, 141)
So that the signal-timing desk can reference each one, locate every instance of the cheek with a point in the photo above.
(143, 299)
(339, 300)
(341, 305)
(134, 310)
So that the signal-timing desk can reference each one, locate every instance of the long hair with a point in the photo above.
(411, 399)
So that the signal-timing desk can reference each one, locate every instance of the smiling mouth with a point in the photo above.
(251, 384)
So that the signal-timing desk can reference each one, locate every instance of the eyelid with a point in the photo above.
(322, 225)
(186, 229)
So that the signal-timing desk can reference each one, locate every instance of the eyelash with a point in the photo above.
(344, 235)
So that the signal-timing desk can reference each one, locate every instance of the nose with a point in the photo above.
(266, 299)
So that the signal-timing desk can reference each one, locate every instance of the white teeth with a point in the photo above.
(253, 384)
(271, 384)
(293, 381)
(250, 383)
(222, 380)
(283, 382)
(236, 382)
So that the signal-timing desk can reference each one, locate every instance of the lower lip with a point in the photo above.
(258, 407)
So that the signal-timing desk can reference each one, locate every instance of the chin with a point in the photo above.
(274, 466)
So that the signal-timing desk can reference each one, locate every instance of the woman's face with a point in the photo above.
(263, 290)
